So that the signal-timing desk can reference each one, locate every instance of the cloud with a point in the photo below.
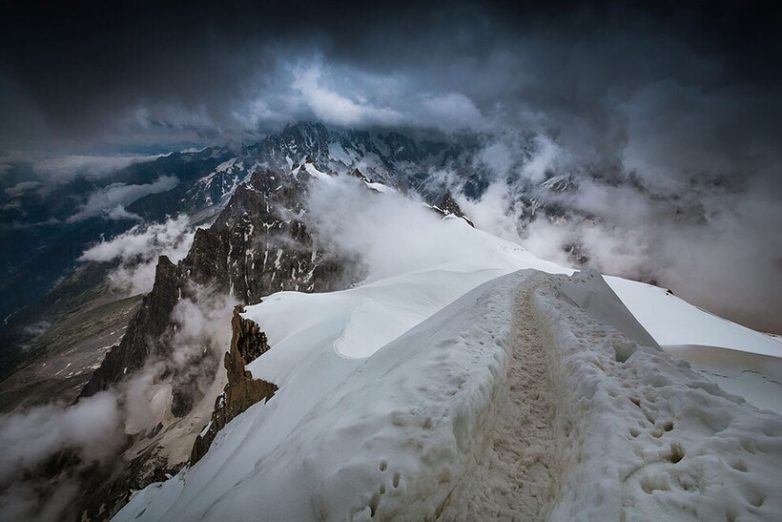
(110, 201)
(65, 168)
(202, 336)
(332, 107)
(632, 91)
(389, 233)
(543, 158)
(96, 428)
(22, 188)
(136, 252)
(448, 112)
(91, 428)
(716, 247)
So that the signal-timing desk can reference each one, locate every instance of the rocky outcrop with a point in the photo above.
(242, 391)
(449, 207)
(258, 245)
(146, 329)
(360, 175)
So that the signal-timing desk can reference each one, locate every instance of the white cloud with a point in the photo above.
(494, 212)
(498, 157)
(390, 233)
(450, 111)
(546, 153)
(63, 169)
(110, 201)
(334, 107)
(137, 251)
(203, 329)
(90, 426)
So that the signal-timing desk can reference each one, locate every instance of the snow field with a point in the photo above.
(383, 437)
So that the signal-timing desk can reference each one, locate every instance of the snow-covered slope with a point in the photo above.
(742, 361)
(412, 430)
(674, 322)
(396, 397)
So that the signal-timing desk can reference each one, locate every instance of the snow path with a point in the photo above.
(592, 425)
(514, 479)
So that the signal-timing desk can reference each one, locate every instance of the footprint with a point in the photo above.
(738, 465)
(677, 453)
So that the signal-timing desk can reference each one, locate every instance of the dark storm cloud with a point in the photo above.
(189, 71)
(662, 91)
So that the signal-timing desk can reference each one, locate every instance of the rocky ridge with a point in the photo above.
(258, 245)
(242, 391)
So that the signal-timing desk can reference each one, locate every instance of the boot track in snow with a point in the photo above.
(514, 479)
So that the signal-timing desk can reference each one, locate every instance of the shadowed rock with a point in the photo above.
(242, 391)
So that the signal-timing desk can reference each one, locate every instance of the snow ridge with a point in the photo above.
(512, 402)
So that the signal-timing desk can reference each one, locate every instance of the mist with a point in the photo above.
(96, 430)
(91, 429)
(390, 233)
(714, 241)
(135, 253)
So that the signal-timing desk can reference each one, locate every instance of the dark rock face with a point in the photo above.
(258, 245)
(144, 331)
(360, 175)
(242, 391)
(449, 207)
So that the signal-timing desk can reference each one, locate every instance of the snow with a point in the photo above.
(740, 360)
(756, 378)
(379, 187)
(481, 383)
(315, 173)
(425, 425)
(226, 165)
(673, 321)
(645, 438)
(338, 153)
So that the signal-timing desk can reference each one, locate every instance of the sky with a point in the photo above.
(683, 97)
(100, 76)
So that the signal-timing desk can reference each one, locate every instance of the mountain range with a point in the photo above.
(182, 359)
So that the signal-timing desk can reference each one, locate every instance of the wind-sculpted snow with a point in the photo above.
(673, 321)
(510, 401)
